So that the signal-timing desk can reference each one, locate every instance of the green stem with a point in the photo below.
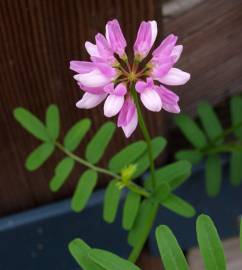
(134, 255)
(86, 163)
(146, 136)
(131, 186)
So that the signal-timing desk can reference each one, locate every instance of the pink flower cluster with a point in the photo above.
(109, 77)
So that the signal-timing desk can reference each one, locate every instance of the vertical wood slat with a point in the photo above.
(38, 39)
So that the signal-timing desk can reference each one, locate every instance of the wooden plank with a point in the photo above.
(211, 35)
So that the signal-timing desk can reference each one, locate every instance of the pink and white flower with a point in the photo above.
(106, 78)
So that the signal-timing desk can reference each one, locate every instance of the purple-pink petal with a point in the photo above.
(89, 101)
(81, 66)
(113, 105)
(175, 76)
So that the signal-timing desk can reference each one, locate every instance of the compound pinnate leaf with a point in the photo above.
(53, 121)
(62, 171)
(173, 174)
(170, 251)
(111, 201)
(236, 115)
(162, 192)
(127, 156)
(84, 190)
(39, 156)
(210, 121)
(130, 210)
(192, 156)
(210, 244)
(191, 131)
(179, 206)
(236, 168)
(98, 144)
(31, 123)
(79, 250)
(213, 175)
(76, 133)
(110, 261)
(157, 145)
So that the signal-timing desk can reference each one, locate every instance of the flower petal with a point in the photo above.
(151, 100)
(94, 78)
(89, 101)
(92, 90)
(176, 52)
(115, 37)
(175, 76)
(131, 126)
(120, 89)
(92, 49)
(82, 66)
(113, 105)
(140, 86)
(166, 46)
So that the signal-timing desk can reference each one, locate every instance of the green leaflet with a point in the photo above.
(179, 206)
(147, 209)
(62, 171)
(31, 123)
(236, 114)
(130, 210)
(76, 133)
(210, 121)
(157, 144)
(173, 174)
(210, 244)
(162, 192)
(83, 190)
(110, 261)
(191, 131)
(170, 251)
(192, 156)
(53, 122)
(236, 168)
(127, 156)
(79, 250)
(39, 156)
(111, 201)
(213, 175)
(98, 144)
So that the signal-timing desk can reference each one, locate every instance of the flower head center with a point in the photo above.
(132, 76)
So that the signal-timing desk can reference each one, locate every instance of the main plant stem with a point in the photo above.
(134, 255)
(146, 135)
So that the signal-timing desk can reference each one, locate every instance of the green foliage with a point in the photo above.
(39, 156)
(236, 168)
(97, 259)
(210, 140)
(191, 131)
(84, 190)
(179, 206)
(111, 201)
(210, 121)
(110, 261)
(98, 144)
(170, 251)
(213, 175)
(79, 250)
(126, 156)
(32, 124)
(147, 209)
(236, 115)
(240, 234)
(130, 210)
(62, 171)
(53, 122)
(210, 244)
(76, 133)
(158, 144)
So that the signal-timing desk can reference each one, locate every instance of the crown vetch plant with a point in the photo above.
(111, 77)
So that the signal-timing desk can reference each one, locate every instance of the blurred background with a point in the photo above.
(40, 37)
